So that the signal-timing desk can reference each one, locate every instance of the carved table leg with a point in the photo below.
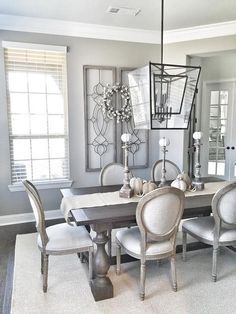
(101, 285)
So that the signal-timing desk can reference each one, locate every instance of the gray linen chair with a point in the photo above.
(158, 215)
(172, 170)
(59, 239)
(217, 230)
(111, 174)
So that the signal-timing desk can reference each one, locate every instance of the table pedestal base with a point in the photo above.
(101, 288)
(101, 285)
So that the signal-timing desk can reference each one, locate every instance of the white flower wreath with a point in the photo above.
(125, 112)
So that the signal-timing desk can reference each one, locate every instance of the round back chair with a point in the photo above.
(172, 170)
(159, 212)
(111, 174)
(224, 205)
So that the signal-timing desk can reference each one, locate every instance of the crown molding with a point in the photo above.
(75, 29)
(200, 32)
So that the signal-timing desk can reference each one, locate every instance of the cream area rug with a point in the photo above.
(69, 292)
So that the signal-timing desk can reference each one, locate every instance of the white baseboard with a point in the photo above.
(28, 217)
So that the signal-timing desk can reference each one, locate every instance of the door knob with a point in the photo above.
(232, 147)
(227, 147)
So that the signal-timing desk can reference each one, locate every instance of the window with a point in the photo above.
(36, 83)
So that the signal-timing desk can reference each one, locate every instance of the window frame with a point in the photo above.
(49, 182)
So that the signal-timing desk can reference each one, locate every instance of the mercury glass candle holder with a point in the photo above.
(163, 142)
(197, 183)
(126, 190)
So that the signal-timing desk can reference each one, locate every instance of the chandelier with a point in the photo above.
(162, 95)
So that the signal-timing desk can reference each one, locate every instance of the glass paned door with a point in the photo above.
(220, 155)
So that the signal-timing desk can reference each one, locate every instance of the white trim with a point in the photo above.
(28, 217)
(200, 32)
(18, 187)
(68, 28)
(20, 45)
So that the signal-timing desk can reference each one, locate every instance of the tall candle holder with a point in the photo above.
(197, 183)
(126, 190)
(163, 142)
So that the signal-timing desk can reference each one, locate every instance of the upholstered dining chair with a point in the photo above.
(111, 174)
(172, 170)
(59, 239)
(158, 215)
(217, 230)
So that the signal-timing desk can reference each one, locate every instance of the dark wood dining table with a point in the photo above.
(103, 218)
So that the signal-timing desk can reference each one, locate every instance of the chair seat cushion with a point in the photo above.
(130, 239)
(203, 228)
(64, 238)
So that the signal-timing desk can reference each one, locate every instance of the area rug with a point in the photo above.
(69, 292)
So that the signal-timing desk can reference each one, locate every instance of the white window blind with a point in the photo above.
(36, 81)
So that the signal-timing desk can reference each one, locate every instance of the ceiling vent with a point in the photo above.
(123, 11)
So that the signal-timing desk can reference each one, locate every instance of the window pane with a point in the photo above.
(212, 154)
(57, 147)
(40, 169)
(20, 124)
(224, 97)
(213, 124)
(19, 103)
(214, 97)
(213, 111)
(21, 170)
(21, 149)
(39, 148)
(52, 85)
(223, 112)
(55, 104)
(37, 103)
(220, 168)
(212, 168)
(38, 124)
(17, 81)
(36, 82)
(57, 168)
(56, 124)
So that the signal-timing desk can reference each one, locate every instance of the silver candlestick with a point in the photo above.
(197, 183)
(163, 143)
(126, 190)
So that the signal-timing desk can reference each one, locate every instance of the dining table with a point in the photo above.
(101, 208)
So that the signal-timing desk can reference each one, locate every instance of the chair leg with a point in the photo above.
(41, 263)
(214, 263)
(118, 253)
(45, 272)
(90, 264)
(173, 273)
(142, 280)
(184, 245)
(109, 243)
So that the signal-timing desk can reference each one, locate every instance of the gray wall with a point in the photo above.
(82, 52)
(94, 52)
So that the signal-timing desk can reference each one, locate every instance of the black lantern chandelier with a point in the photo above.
(162, 94)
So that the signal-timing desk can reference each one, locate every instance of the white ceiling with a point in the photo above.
(184, 19)
(178, 13)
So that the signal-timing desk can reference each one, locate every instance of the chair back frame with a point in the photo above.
(166, 162)
(38, 211)
(169, 234)
(218, 217)
(105, 168)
